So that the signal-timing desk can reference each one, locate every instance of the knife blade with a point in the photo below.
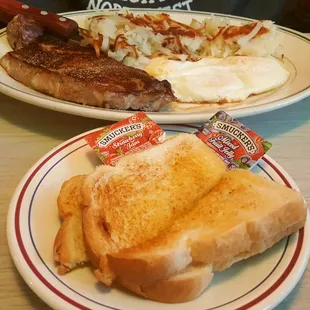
(54, 24)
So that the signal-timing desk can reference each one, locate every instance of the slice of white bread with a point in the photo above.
(69, 248)
(180, 287)
(243, 215)
(144, 194)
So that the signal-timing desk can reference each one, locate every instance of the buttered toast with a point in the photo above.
(163, 220)
(144, 194)
(243, 215)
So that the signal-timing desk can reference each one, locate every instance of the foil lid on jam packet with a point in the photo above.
(237, 145)
(130, 135)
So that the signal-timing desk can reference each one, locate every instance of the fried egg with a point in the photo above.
(230, 79)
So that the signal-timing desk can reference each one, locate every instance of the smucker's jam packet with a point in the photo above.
(237, 145)
(130, 135)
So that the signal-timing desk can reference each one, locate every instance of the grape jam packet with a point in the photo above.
(237, 145)
(130, 135)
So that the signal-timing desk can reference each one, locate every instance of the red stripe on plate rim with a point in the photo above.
(79, 306)
(293, 261)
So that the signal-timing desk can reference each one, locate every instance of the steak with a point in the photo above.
(68, 71)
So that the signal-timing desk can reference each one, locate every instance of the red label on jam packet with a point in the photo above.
(130, 135)
(237, 145)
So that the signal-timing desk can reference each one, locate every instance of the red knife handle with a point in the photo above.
(58, 25)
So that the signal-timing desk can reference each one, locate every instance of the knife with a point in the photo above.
(57, 25)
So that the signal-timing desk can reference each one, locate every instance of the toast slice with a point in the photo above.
(243, 215)
(144, 194)
(69, 248)
(70, 251)
(180, 287)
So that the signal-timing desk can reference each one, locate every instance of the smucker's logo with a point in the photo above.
(245, 140)
(115, 134)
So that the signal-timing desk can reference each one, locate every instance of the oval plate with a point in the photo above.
(296, 48)
(260, 282)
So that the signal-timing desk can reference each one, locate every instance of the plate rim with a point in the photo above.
(46, 294)
(72, 108)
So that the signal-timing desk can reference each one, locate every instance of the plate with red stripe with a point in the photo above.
(260, 282)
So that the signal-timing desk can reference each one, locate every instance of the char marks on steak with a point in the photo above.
(68, 71)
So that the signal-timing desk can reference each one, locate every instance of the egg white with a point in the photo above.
(230, 79)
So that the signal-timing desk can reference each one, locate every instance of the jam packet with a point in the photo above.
(130, 135)
(237, 145)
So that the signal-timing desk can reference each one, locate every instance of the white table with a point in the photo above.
(28, 132)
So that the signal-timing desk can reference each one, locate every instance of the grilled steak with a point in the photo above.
(68, 71)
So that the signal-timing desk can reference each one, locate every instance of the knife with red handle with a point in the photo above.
(54, 24)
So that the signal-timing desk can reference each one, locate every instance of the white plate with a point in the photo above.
(257, 283)
(297, 61)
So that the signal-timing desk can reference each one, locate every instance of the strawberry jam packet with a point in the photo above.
(237, 145)
(130, 135)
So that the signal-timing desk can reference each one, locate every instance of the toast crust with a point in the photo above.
(180, 287)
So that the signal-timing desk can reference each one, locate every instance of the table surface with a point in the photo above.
(28, 132)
